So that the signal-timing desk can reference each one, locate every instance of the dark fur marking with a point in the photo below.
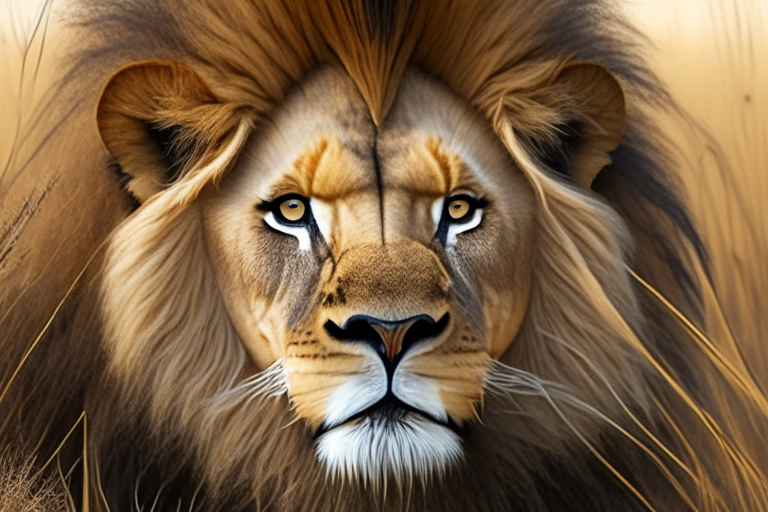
(175, 157)
(380, 16)
(556, 153)
(311, 356)
(123, 178)
(633, 161)
(379, 183)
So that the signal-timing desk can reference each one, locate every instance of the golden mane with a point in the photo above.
(659, 407)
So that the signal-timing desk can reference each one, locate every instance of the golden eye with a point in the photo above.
(293, 209)
(458, 209)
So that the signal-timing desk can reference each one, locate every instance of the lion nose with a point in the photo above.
(389, 338)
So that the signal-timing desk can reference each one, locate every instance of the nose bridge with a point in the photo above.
(352, 221)
(407, 215)
(389, 281)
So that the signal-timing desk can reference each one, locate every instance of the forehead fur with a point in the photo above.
(500, 56)
(320, 142)
(322, 129)
(480, 49)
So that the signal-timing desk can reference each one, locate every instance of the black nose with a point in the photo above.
(390, 339)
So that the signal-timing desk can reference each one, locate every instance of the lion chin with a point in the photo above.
(388, 441)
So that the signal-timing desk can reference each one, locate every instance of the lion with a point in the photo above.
(331, 255)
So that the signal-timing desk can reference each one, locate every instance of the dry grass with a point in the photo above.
(19, 492)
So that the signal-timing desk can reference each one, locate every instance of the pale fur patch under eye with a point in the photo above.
(301, 233)
(455, 229)
(437, 212)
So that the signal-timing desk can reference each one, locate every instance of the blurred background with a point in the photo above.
(713, 56)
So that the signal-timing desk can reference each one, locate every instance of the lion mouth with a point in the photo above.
(388, 411)
(389, 438)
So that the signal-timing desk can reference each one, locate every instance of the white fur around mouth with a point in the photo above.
(376, 447)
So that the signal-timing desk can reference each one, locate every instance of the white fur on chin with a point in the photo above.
(374, 448)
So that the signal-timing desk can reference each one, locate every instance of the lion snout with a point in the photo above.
(393, 281)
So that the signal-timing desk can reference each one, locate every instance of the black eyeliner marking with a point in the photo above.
(446, 220)
(273, 206)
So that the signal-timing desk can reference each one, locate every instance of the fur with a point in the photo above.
(604, 401)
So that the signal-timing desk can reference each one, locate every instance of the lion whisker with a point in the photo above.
(139, 508)
(157, 497)
(99, 487)
(271, 383)
(194, 499)
(295, 420)
(640, 424)
(497, 381)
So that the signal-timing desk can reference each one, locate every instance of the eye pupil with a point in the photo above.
(293, 209)
(458, 209)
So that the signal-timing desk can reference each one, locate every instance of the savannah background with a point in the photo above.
(713, 56)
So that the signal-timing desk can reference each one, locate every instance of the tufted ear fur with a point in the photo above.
(159, 118)
(588, 120)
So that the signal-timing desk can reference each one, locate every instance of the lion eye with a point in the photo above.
(458, 209)
(461, 208)
(456, 215)
(293, 210)
(289, 209)
(290, 214)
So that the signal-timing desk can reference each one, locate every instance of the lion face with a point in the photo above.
(384, 266)
(368, 276)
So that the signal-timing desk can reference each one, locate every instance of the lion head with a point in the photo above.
(378, 270)
(396, 256)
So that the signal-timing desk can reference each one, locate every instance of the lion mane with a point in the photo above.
(125, 369)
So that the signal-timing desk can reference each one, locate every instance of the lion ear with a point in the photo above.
(591, 123)
(156, 119)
